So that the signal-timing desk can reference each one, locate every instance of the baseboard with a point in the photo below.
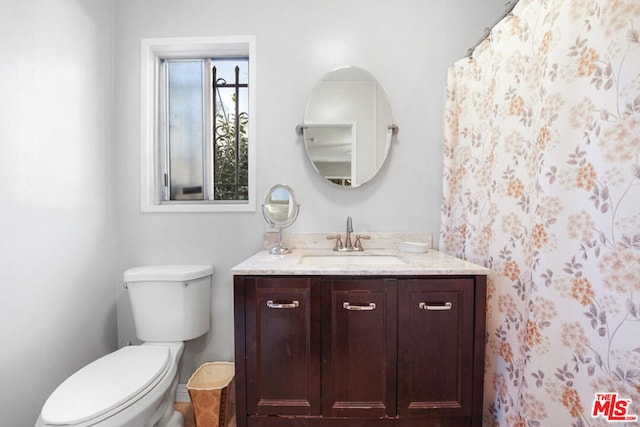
(182, 394)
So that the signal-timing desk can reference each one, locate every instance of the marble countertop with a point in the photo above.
(315, 261)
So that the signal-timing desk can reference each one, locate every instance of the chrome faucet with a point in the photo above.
(348, 245)
(347, 240)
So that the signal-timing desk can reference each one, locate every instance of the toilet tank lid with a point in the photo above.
(178, 272)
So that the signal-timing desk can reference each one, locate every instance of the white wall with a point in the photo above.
(406, 44)
(57, 308)
(62, 158)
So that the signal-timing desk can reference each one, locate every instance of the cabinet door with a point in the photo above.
(435, 347)
(359, 319)
(283, 346)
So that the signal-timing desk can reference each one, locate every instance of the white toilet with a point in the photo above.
(135, 386)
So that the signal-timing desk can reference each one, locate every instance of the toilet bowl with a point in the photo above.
(135, 386)
(129, 387)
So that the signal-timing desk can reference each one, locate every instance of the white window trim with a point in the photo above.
(151, 50)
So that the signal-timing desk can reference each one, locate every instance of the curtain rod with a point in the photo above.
(508, 7)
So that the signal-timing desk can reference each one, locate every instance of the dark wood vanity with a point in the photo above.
(359, 349)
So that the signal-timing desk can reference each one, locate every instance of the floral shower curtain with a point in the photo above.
(542, 185)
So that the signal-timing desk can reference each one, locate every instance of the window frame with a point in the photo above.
(151, 178)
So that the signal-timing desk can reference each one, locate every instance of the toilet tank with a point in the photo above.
(170, 302)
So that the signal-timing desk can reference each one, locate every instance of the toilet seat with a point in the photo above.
(107, 385)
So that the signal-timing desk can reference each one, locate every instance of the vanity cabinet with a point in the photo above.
(359, 351)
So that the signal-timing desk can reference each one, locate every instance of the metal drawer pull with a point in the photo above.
(368, 307)
(292, 304)
(439, 307)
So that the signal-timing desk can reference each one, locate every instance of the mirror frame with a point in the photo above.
(294, 209)
(381, 133)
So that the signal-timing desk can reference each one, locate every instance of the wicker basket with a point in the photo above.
(211, 388)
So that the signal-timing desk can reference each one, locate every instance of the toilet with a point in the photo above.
(135, 386)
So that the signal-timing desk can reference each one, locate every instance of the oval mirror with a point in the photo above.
(280, 210)
(347, 126)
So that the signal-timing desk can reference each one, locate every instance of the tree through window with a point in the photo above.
(230, 129)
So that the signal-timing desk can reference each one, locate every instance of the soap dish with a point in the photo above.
(412, 247)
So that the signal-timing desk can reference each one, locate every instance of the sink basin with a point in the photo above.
(342, 259)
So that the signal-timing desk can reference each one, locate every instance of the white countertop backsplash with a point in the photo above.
(430, 263)
(379, 240)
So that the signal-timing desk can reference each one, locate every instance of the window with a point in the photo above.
(198, 143)
(204, 129)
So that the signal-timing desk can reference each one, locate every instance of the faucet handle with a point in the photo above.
(338, 239)
(358, 245)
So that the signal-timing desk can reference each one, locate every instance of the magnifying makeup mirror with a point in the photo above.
(280, 210)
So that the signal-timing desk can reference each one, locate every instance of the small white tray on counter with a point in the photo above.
(415, 247)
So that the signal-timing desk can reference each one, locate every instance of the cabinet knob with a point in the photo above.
(357, 307)
(292, 304)
(435, 307)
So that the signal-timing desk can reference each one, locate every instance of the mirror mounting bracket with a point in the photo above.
(392, 127)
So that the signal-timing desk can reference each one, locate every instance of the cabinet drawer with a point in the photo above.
(359, 348)
(283, 354)
(435, 335)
